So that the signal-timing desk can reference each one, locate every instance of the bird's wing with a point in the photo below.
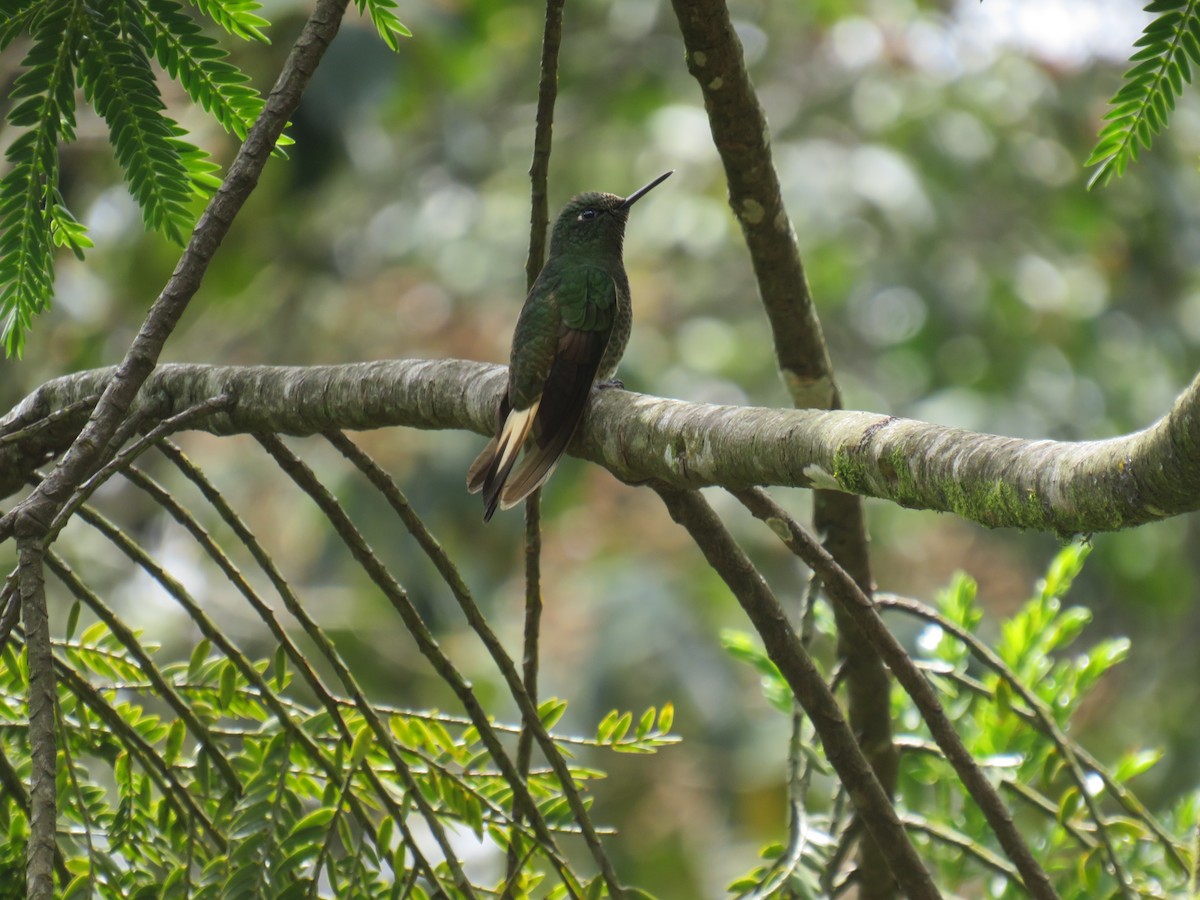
(586, 297)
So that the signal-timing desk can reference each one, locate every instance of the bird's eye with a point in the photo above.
(587, 215)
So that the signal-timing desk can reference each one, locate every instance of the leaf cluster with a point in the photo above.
(1168, 48)
(107, 51)
(1078, 810)
(252, 805)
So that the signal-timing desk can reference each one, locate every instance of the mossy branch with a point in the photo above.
(1056, 486)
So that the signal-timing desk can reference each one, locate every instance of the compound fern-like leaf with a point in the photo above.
(44, 103)
(198, 64)
(386, 22)
(118, 81)
(1168, 48)
(238, 17)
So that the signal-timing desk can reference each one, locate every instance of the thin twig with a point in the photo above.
(475, 618)
(134, 647)
(16, 431)
(10, 613)
(244, 666)
(962, 844)
(126, 457)
(843, 590)
(292, 603)
(539, 221)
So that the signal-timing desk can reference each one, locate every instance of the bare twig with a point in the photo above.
(539, 221)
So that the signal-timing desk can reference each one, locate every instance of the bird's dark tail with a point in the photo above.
(491, 468)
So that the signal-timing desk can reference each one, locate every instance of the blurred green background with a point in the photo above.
(931, 157)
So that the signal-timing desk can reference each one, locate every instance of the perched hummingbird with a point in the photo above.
(571, 333)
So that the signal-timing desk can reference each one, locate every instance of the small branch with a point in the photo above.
(291, 602)
(783, 646)
(162, 687)
(539, 167)
(539, 221)
(962, 844)
(1058, 486)
(843, 590)
(43, 746)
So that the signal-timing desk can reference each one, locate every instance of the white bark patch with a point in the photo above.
(752, 211)
(807, 393)
(780, 528)
(700, 58)
(821, 478)
(716, 84)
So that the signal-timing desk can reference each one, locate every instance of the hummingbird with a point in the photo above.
(570, 334)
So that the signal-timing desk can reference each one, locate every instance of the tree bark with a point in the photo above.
(1055, 486)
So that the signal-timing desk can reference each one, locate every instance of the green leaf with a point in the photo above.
(550, 711)
(174, 742)
(1134, 764)
(228, 684)
(238, 17)
(361, 746)
(118, 81)
(73, 618)
(606, 727)
(386, 22)
(645, 723)
(666, 717)
(196, 661)
(1140, 108)
(29, 191)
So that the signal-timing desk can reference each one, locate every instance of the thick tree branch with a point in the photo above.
(1057, 486)
(740, 132)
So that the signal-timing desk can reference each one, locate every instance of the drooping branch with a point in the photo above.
(808, 686)
(1057, 486)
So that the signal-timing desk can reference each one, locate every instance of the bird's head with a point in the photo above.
(596, 221)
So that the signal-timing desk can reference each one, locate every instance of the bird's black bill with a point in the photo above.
(642, 191)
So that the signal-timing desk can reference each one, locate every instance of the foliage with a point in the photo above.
(106, 50)
(987, 349)
(1141, 107)
(259, 794)
(1069, 805)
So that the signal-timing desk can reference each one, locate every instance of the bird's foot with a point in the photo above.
(611, 383)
